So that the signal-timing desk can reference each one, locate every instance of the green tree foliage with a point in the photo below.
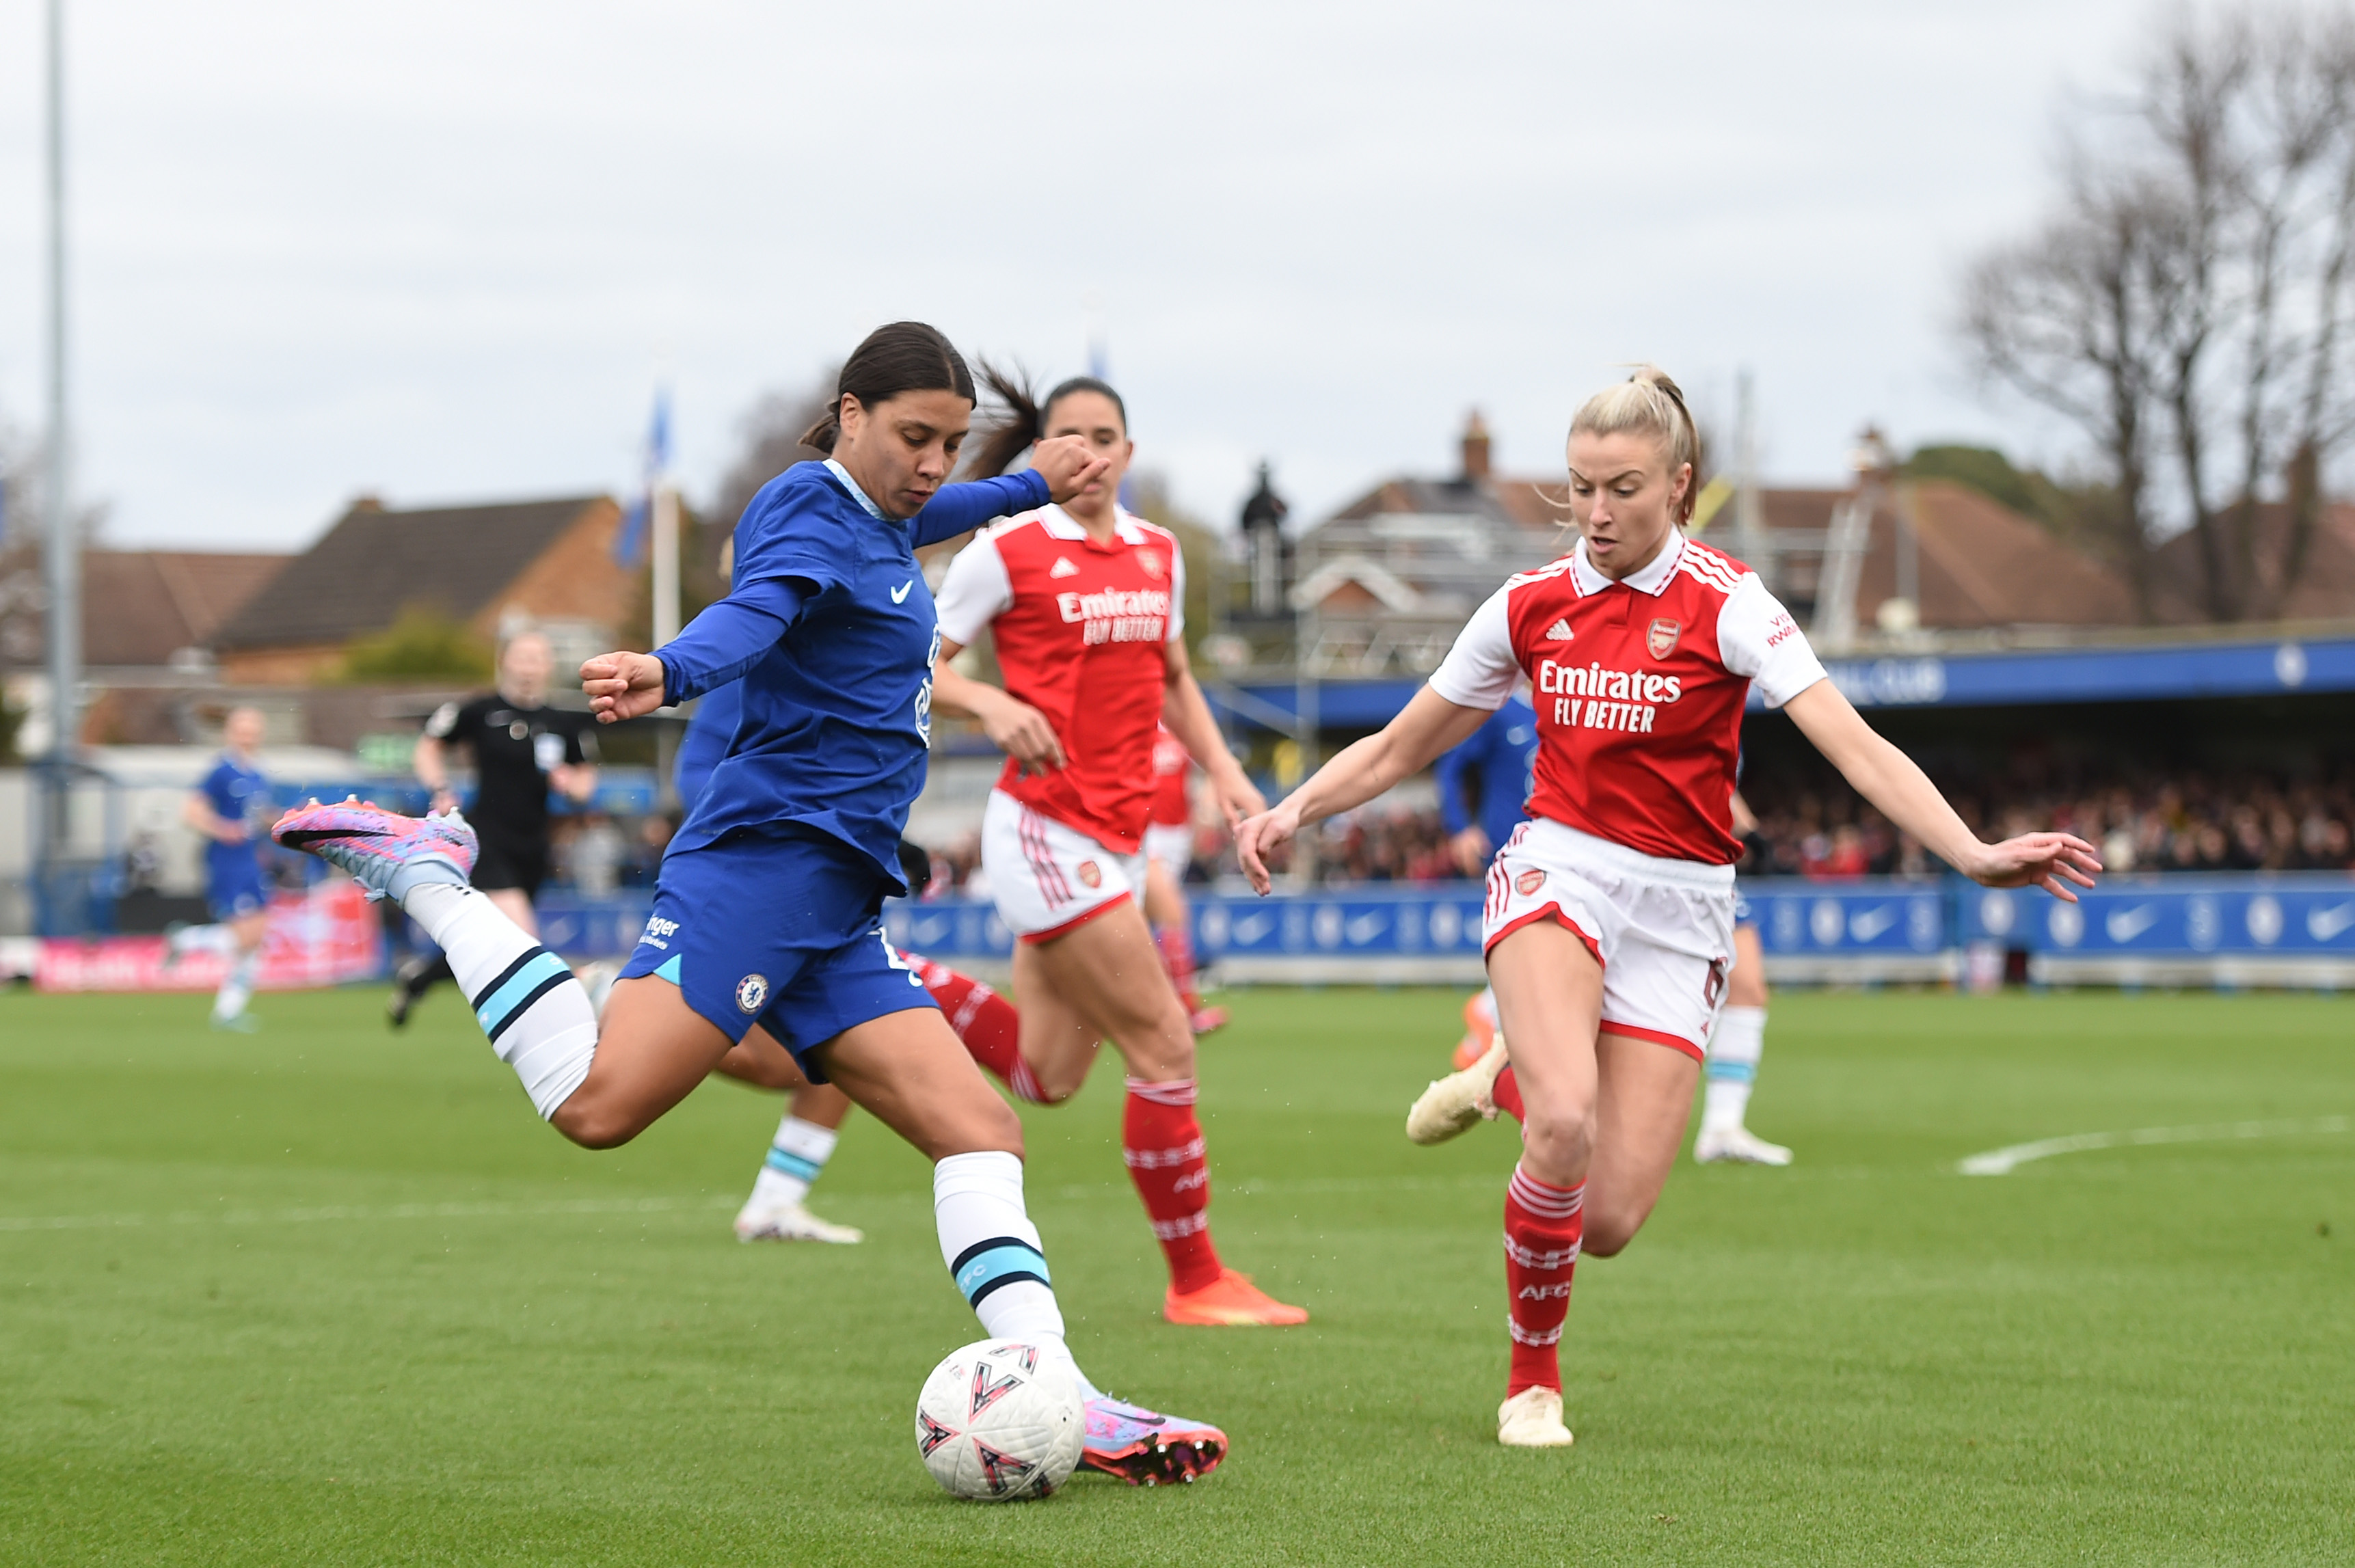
(422, 644)
(2085, 515)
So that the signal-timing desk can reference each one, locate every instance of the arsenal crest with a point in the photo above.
(1661, 639)
(1528, 881)
(1090, 874)
(1151, 560)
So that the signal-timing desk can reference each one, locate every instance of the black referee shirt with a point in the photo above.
(514, 750)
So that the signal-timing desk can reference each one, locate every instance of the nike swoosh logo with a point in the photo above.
(1251, 927)
(2128, 924)
(2326, 925)
(1867, 926)
(900, 594)
(1366, 927)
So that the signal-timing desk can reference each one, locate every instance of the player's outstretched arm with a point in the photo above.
(1428, 725)
(1061, 468)
(1902, 793)
(1013, 726)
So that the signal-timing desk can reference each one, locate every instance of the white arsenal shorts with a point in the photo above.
(1048, 876)
(1662, 929)
(1170, 845)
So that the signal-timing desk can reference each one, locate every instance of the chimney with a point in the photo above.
(1475, 449)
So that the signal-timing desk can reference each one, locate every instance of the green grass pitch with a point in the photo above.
(325, 1294)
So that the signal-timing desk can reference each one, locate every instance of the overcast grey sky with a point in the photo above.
(445, 251)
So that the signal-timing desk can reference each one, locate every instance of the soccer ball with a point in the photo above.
(997, 1420)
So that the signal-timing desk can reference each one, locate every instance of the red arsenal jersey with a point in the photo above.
(1171, 761)
(1081, 630)
(1638, 685)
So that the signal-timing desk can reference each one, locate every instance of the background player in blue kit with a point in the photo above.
(1484, 792)
(227, 810)
(767, 913)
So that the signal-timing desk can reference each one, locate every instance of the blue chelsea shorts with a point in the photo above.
(232, 894)
(782, 929)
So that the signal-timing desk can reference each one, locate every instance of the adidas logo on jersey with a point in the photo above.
(1063, 568)
(1560, 631)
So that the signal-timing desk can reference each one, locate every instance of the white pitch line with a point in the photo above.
(360, 1213)
(2003, 1161)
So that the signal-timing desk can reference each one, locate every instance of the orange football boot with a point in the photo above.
(1231, 1300)
(1479, 1031)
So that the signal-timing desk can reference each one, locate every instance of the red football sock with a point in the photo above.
(1543, 1225)
(1161, 1142)
(1177, 957)
(987, 1022)
(1507, 1093)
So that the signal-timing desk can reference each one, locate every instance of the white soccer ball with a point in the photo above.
(1000, 1420)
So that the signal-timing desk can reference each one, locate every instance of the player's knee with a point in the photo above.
(1059, 1083)
(1556, 1141)
(990, 1126)
(596, 1126)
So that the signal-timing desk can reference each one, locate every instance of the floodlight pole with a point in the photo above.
(62, 558)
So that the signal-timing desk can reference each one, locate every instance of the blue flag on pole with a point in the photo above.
(629, 543)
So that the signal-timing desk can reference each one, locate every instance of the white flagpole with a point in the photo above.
(666, 551)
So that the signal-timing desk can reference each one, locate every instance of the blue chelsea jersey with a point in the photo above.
(1503, 750)
(236, 793)
(838, 714)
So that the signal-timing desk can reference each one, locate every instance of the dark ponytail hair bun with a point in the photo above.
(1024, 416)
(905, 357)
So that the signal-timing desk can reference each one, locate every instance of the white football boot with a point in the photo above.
(1453, 1104)
(1533, 1419)
(1736, 1146)
(791, 1223)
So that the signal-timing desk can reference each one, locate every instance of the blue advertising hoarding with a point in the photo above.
(1881, 927)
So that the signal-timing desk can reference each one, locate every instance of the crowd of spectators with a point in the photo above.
(2187, 821)
(2176, 822)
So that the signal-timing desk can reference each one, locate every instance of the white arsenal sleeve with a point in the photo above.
(1482, 668)
(1756, 637)
(975, 591)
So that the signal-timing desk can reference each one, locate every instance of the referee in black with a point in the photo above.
(522, 750)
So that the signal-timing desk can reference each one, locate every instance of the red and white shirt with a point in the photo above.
(1082, 631)
(1639, 685)
(1171, 764)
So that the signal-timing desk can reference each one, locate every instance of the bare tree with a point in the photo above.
(2068, 319)
(2186, 307)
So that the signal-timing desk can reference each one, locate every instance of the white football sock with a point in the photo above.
(797, 1157)
(1733, 1052)
(992, 1251)
(237, 986)
(538, 1016)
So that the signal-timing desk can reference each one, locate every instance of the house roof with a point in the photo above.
(374, 562)
(139, 606)
(2325, 584)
